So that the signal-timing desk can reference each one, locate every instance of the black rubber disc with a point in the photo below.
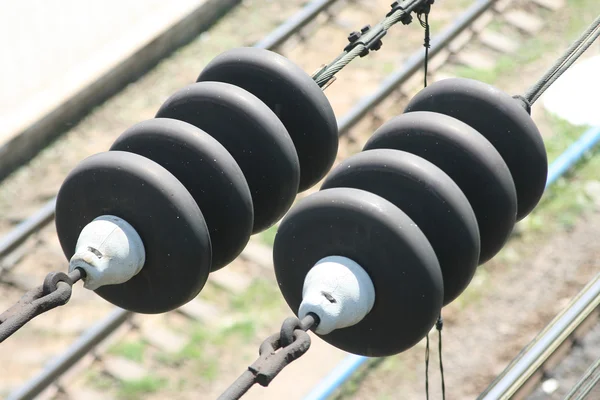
(503, 121)
(293, 95)
(253, 135)
(429, 197)
(162, 211)
(469, 159)
(389, 246)
(208, 172)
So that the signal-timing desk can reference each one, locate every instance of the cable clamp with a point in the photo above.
(355, 38)
(406, 18)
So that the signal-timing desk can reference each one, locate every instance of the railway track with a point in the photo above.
(469, 30)
(525, 376)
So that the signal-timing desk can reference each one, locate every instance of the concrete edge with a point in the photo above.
(27, 142)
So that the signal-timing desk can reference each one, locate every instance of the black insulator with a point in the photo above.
(253, 135)
(429, 197)
(161, 210)
(501, 120)
(387, 244)
(208, 172)
(293, 95)
(466, 157)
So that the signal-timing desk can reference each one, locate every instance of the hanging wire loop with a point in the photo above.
(55, 291)
(275, 353)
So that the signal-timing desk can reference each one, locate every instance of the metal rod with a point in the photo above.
(240, 387)
(544, 344)
(84, 344)
(295, 23)
(573, 154)
(412, 65)
(26, 228)
(340, 374)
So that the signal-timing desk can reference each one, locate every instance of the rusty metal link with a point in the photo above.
(275, 353)
(55, 291)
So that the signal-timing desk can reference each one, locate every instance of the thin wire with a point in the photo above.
(426, 43)
(565, 62)
(427, 368)
(425, 24)
(439, 325)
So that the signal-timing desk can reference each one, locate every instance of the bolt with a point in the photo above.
(406, 19)
(354, 36)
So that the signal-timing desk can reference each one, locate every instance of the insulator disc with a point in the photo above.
(503, 121)
(386, 243)
(253, 135)
(429, 197)
(162, 211)
(293, 95)
(469, 159)
(208, 172)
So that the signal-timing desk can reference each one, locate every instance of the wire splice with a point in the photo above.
(373, 43)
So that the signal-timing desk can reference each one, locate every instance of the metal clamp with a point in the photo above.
(357, 38)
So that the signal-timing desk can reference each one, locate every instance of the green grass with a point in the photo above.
(531, 50)
(565, 200)
(261, 295)
(193, 350)
(564, 135)
(129, 390)
(133, 350)
(244, 330)
(126, 390)
(195, 355)
(577, 16)
(581, 14)
(100, 381)
(476, 290)
(268, 236)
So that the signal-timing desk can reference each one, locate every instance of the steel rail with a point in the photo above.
(82, 346)
(544, 345)
(294, 24)
(580, 309)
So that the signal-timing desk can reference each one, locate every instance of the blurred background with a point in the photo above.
(75, 74)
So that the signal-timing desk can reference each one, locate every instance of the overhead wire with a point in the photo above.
(572, 54)
(400, 13)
